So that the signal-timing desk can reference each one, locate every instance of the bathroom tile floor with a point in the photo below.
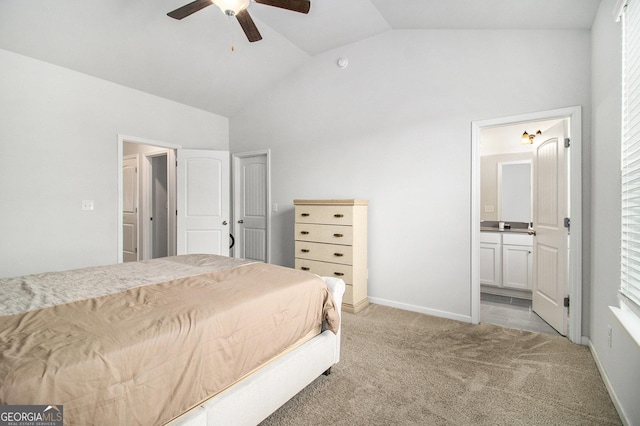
(512, 312)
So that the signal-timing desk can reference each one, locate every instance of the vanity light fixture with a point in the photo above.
(527, 138)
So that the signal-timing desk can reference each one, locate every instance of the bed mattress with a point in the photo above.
(145, 348)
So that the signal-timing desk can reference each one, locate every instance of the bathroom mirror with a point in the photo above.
(514, 183)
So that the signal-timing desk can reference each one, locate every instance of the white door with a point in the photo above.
(130, 208)
(203, 202)
(251, 208)
(550, 254)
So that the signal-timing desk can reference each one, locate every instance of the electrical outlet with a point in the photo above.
(609, 335)
(87, 205)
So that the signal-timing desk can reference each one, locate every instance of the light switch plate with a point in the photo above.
(87, 205)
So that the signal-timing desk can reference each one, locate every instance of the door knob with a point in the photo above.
(224, 222)
(531, 232)
(241, 221)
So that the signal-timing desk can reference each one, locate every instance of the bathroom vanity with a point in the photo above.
(506, 261)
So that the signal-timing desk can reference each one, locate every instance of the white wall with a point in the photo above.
(59, 138)
(620, 362)
(394, 127)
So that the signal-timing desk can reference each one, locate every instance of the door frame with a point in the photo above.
(120, 154)
(235, 189)
(574, 114)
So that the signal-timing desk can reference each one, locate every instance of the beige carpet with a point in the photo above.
(404, 368)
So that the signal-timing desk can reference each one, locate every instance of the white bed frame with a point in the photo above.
(254, 398)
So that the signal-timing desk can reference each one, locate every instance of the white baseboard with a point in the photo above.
(420, 309)
(607, 384)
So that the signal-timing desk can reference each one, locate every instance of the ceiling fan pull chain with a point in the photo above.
(233, 47)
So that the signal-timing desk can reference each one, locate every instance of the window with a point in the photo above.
(630, 254)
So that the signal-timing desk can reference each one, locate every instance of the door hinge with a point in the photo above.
(567, 222)
(567, 142)
(566, 302)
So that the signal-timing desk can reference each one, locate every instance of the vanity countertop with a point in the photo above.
(510, 230)
(510, 227)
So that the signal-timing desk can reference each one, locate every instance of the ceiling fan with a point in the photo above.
(238, 8)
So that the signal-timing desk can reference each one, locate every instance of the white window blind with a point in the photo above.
(630, 255)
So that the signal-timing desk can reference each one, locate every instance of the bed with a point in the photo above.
(184, 340)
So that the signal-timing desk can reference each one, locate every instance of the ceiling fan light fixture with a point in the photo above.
(231, 7)
(238, 8)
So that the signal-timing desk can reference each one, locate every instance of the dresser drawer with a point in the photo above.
(333, 234)
(324, 252)
(326, 269)
(330, 215)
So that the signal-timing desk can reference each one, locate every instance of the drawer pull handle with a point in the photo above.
(305, 250)
(305, 214)
(338, 215)
(338, 254)
(338, 274)
(304, 232)
(338, 235)
(304, 268)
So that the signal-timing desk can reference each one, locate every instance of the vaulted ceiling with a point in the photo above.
(135, 44)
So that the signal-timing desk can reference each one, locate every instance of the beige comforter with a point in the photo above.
(149, 353)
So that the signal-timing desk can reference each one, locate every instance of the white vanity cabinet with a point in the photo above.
(506, 261)
(490, 258)
(517, 261)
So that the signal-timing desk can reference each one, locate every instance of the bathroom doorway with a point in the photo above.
(572, 265)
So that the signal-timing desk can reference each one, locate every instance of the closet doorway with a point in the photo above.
(570, 266)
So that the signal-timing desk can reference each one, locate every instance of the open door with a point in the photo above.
(203, 183)
(550, 253)
(251, 206)
(130, 208)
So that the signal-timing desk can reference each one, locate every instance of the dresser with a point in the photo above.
(331, 240)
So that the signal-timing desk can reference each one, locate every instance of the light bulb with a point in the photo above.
(234, 6)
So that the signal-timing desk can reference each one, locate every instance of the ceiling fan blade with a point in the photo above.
(301, 6)
(188, 9)
(248, 26)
